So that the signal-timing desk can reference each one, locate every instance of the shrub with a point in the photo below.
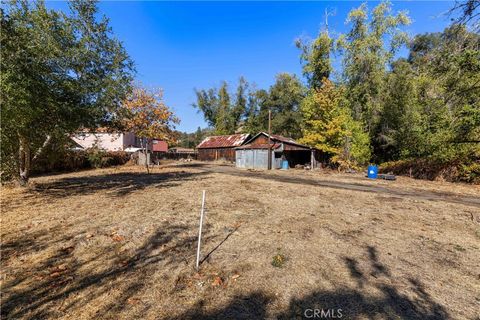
(95, 156)
(114, 158)
(457, 170)
(100, 158)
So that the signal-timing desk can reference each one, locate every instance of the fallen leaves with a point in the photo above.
(217, 281)
(133, 301)
(118, 238)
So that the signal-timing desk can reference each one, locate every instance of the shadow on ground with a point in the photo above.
(60, 284)
(318, 181)
(116, 184)
(389, 302)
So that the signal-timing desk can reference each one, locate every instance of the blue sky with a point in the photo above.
(179, 46)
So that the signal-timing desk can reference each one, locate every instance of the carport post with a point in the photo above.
(312, 159)
(200, 230)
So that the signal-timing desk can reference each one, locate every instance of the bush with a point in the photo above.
(95, 156)
(114, 158)
(466, 170)
(70, 160)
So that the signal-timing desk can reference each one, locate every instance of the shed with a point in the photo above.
(220, 147)
(254, 153)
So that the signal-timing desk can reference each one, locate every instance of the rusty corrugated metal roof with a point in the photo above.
(278, 138)
(283, 139)
(274, 146)
(233, 140)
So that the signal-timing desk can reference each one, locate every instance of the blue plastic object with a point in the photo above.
(372, 172)
(284, 165)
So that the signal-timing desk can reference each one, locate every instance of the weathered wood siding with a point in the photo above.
(212, 154)
(262, 140)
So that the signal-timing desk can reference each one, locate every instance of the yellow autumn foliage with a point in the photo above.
(148, 116)
(329, 127)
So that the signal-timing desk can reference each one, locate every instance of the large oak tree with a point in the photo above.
(59, 73)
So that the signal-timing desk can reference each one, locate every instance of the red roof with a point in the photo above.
(233, 140)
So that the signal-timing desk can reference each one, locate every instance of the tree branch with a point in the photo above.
(39, 150)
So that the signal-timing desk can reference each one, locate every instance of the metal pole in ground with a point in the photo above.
(200, 230)
(269, 166)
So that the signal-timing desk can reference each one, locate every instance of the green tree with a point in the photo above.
(207, 104)
(431, 101)
(221, 112)
(402, 123)
(315, 57)
(284, 99)
(193, 139)
(329, 127)
(59, 73)
(256, 115)
(224, 121)
(366, 57)
(456, 70)
(240, 106)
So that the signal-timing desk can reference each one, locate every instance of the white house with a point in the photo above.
(110, 141)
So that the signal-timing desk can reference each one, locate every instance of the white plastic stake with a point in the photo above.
(200, 230)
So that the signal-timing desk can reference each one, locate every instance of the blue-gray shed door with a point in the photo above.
(261, 159)
(240, 158)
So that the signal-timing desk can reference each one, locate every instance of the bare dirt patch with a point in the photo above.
(120, 244)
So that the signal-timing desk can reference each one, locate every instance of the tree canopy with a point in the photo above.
(59, 73)
(148, 117)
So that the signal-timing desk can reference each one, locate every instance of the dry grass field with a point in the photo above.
(120, 244)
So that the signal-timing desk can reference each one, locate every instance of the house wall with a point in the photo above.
(212, 154)
(159, 146)
(106, 141)
(128, 140)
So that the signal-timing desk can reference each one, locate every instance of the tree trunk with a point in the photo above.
(145, 152)
(24, 158)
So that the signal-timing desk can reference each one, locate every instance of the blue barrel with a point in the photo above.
(372, 172)
(284, 165)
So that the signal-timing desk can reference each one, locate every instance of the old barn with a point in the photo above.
(220, 147)
(254, 153)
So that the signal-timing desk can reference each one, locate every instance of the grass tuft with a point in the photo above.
(278, 260)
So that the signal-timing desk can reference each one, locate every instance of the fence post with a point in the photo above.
(200, 230)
